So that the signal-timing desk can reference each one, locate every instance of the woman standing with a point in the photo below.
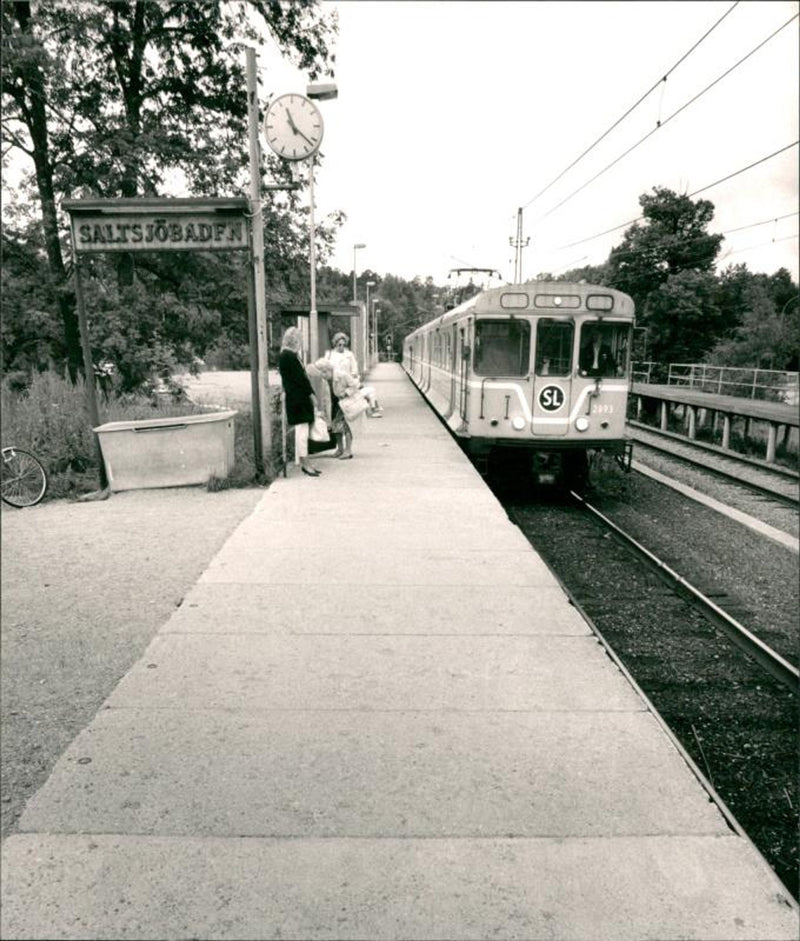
(344, 360)
(298, 396)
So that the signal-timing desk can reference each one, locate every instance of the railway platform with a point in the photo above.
(376, 715)
(773, 416)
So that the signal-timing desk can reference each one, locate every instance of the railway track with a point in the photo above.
(734, 716)
(778, 667)
(773, 481)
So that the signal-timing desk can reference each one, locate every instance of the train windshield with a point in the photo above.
(554, 347)
(502, 347)
(604, 349)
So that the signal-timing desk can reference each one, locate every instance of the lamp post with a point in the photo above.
(322, 92)
(355, 288)
(373, 331)
(370, 284)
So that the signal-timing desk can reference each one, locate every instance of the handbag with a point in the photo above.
(319, 429)
(353, 405)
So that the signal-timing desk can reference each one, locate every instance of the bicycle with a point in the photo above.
(23, 480)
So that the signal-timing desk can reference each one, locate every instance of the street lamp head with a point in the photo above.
(322, 91)
(359, 245)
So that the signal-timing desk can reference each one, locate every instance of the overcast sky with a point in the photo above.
(452, 115)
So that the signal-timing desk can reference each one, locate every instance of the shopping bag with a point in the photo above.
(319, 429)
(353, 405)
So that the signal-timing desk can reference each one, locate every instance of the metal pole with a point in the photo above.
(313, 324)
(88, 369)
(261, 407)
(365, 329)
(355, 287)
(255, 394)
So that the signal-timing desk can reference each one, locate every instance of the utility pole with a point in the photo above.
(260, 388)
(518, 244)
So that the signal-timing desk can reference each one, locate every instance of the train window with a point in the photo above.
(502, 347)
(513, 300)
(600, 302)
(604, 349)
(554, 341)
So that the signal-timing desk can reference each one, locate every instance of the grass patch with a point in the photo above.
(50, 418)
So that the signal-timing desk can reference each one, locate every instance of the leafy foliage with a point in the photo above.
(672, 239)
(116, 98)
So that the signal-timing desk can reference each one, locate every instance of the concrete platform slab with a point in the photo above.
(217, 772)
(327, 672)
(376, 716)
(364, 567)
(307, 533)
(220, 607)
(89, 887)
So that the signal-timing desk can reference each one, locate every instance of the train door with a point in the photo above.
(552, 380)
(453, 367)
(428, 357)
(463, 353)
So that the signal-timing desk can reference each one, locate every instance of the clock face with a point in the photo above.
(293, 127)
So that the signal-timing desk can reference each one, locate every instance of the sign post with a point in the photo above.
(161, 224)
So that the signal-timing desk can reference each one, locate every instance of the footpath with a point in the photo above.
(376, 715)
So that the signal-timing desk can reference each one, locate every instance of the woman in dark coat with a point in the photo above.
(298, 397)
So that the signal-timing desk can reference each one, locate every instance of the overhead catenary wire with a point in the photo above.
(622, 225)
(663, 123)
(633, 107)
(683, 243)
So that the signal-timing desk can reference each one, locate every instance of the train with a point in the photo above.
(540, 369)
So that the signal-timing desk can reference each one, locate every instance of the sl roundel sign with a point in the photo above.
(551, 398)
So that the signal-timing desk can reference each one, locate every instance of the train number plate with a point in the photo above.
(602, 409)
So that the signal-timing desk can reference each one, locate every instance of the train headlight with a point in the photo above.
(518, 423)
(582, 423)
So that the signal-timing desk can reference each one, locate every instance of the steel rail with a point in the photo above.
(724, 454)
(765, 656)
(725, 475)
(720, 472)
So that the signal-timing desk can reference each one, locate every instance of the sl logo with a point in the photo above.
(551, 398)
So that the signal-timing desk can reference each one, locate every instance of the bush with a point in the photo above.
(228, 354)
(51, 419)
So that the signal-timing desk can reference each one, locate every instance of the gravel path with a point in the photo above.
(85, 586)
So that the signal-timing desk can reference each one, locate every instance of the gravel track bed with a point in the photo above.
(769, 511)
(717, 554)
(738, 724)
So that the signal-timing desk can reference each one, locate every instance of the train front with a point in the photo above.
(550, 368)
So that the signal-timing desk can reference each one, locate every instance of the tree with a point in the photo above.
(764, 337)
(107, 98)
(591, 274)
(682, 317)
(25, 65)
(28, 332)
(672, 239)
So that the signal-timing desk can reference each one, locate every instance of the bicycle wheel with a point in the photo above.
(23, 480)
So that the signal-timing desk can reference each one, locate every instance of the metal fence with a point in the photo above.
(770, 385)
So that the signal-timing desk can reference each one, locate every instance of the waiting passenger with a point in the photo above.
(343, 359)
(301, 403)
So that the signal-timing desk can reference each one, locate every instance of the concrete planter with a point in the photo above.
(167, 452)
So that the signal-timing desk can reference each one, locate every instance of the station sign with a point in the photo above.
(158, 225)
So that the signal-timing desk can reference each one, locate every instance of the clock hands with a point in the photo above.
(296, 129)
